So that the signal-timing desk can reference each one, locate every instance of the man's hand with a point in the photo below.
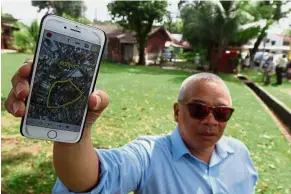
(77, 165)
(15, 105)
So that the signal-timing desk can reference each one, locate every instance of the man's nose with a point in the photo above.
(210, 120)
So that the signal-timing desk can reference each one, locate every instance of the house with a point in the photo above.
(6, 32)
(122, 45)
(274, 42)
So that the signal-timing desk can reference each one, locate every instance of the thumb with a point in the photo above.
(97, 102)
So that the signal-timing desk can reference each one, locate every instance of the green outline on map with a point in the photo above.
(68, 103)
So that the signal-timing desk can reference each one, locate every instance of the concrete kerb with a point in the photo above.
(277, 107)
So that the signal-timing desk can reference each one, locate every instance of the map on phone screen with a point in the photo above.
(62, 82)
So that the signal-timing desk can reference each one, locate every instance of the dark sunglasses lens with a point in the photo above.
(222, 114)
(198, 111)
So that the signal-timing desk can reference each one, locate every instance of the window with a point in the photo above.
(273, 42)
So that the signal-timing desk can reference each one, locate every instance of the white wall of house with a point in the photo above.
(273, 42)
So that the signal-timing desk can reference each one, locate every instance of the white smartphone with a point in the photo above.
(64, 73)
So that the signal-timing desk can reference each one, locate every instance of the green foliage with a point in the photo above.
(23, 41)
(175, 27)
(26, 38)
(7, 15)
(243, 36)
(287, 32)
(189, 56)
(74, 9)
(212, 24)
(138, 16)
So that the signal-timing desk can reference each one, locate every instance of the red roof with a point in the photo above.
(115, 31)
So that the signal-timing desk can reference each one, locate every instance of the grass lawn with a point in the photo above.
(281, 92)
(183, 65)
(141, 104)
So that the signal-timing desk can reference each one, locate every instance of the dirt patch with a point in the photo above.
(13, 141)
(9, 141)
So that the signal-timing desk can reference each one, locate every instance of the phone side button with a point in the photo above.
(52, 134)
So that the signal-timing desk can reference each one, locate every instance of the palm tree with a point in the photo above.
(216, 24)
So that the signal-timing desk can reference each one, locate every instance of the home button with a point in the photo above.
(52, 134)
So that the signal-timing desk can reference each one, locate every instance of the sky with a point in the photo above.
(26, 13)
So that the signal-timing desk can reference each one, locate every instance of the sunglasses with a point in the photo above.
(200, 111)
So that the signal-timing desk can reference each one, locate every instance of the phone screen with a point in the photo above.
(62, 82)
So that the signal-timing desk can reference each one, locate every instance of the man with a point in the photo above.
(195, 158)
(280, 68)
(268, 70)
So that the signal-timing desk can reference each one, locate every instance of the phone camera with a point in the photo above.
(65, 27)
(49, 34)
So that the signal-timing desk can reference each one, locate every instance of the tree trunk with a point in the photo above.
(141, 60)
(220, 47)
(258, 42)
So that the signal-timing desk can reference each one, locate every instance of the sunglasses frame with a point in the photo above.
(210, 108)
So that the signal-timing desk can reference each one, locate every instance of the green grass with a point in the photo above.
(10, 64)
(183, 65)
(141, 104)
(281, 92)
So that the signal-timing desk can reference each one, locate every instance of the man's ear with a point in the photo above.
(176, 111)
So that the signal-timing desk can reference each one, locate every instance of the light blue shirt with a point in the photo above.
(163, 165)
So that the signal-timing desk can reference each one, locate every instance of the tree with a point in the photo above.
(25, 40)
(74, 9)
(138, 16)
(271, 12)
(175, 27)
(213, 25)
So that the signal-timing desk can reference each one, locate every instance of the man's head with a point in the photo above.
(202, 133)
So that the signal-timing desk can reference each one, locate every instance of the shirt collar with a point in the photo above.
(179, 148)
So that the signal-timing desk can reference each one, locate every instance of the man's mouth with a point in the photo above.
(207, 135)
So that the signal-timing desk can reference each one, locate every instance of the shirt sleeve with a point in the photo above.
(122, 169)
(249, 184)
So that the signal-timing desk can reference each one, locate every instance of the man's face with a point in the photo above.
(202, 134)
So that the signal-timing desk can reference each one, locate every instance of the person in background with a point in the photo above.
(280, 68)
(268, 70)
(247, 62)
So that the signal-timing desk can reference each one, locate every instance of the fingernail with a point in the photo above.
(25, 63)
(19, 87)
(15, 107)
(98, 101)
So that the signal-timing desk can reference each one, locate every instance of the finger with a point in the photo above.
(8, 101)
(18, 108)
(23, 72)
(14, 106)
(21, 89)
(25, 69)
(98, 101)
